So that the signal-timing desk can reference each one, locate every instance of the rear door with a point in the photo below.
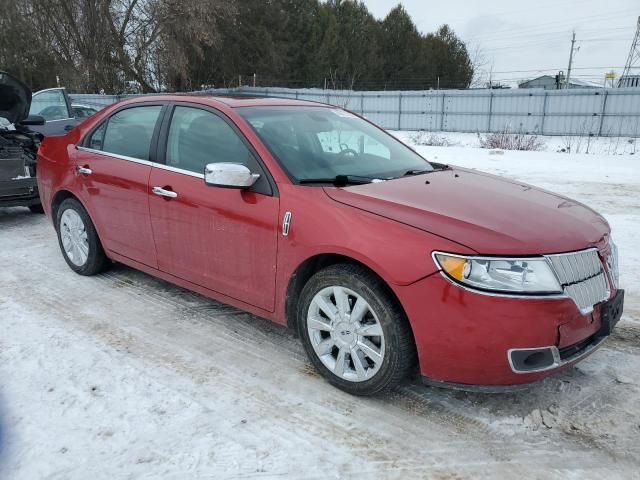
(113, 167)
(220, 238)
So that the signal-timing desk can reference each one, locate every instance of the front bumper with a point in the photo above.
(22, 192)
(465, 338)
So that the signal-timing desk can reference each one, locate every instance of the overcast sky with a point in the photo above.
(514, 37)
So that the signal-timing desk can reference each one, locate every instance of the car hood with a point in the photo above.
(15, 98)
(486, 213)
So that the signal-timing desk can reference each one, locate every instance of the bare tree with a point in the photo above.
(118, 44)
(482, 68)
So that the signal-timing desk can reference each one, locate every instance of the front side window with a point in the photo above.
(127, 132)
(322, 143)
(97, 137)
(51, 105)
(198, 137)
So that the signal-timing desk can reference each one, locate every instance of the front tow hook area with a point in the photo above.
(529, 360)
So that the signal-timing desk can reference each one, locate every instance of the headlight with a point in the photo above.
(503, 275)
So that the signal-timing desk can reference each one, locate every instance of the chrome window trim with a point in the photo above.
(162, 166)
(142, 162)
(115, 155)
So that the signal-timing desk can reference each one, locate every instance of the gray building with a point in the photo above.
(553, 82)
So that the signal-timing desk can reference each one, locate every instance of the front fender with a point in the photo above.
(398, 253)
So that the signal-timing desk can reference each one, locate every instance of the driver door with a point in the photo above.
(222, 239)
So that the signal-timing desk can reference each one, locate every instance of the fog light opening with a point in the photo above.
(531, 360)
(534, 360)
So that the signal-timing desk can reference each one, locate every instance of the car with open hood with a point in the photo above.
(385, 264)
(25, 118)
(18, 145)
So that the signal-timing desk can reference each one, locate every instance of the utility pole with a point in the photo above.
(573, 43)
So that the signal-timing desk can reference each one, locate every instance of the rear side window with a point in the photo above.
(127, 132)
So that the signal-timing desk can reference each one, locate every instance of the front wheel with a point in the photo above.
(78, 239)
(354, 331)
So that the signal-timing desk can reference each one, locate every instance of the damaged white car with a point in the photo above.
(18, 146)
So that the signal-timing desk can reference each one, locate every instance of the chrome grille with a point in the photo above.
(612, 265)
(582, 276)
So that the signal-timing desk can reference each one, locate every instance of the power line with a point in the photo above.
(554, 24)
(605, 39)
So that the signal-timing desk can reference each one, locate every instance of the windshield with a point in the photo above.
(319, 143)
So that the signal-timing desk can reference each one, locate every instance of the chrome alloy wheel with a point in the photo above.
(345, 334)
(74, 237)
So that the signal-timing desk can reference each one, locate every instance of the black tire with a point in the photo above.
(36, 208)
(399, 357)
(96, 261)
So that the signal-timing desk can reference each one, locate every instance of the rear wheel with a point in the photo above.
(353, 330)
(78, 239)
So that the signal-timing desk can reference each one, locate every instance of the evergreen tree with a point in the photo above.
(181, 45)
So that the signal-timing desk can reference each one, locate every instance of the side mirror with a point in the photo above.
(229, 175)
(33, 120)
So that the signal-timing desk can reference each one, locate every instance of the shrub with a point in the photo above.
(506, 140)
(431, 139)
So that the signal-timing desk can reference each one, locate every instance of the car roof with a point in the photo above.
(232, 101)
(235, 101)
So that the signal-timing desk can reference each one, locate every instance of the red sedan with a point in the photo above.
(312, 217)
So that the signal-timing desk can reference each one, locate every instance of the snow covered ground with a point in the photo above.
(559, 144)
(126, 376)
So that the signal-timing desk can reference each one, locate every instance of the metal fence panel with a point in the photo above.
(606, 112)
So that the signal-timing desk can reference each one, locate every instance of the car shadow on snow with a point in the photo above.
(18, 216)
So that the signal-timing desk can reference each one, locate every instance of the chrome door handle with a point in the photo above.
(164, 193)
(84, 170)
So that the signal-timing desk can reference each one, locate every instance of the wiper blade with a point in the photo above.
(339, 180)
(436, 168)
(409, 173)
